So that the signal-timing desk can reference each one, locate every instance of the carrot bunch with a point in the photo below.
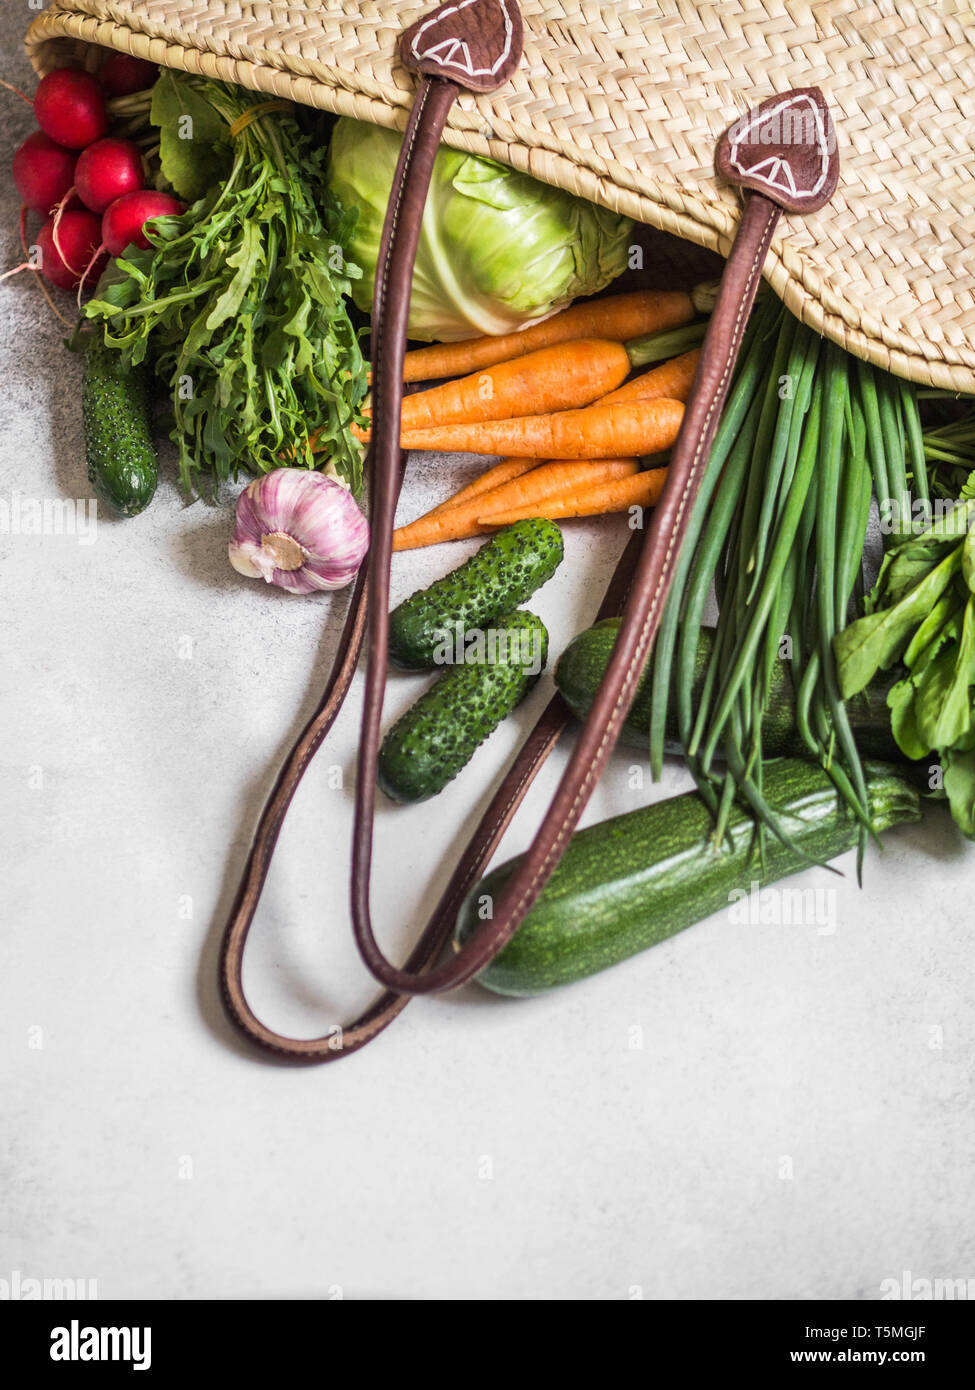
(556, 404)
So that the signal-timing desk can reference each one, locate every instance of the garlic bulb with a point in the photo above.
(299, 530)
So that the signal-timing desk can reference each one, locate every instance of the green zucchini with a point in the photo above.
(581, 666)
(628, 883)
(500, 576)
(119, 449)
(438, 736)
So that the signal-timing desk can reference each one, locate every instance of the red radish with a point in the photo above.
(70, 107)
(43, 172)
(78, 239)
(123, 221)
(106, 170)
(121, 74)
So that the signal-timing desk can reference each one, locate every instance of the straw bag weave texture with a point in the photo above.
(623, 102)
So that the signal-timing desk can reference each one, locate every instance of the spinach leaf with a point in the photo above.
(877, 640)
(959, 785)
(942, 708)
(903, 720)
(922, 611)
(904, 566)
(194, 144)
(968, 560)
(932, 627)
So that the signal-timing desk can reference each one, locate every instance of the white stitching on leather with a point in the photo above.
(431, 56)
(380, 315)
(756, 171)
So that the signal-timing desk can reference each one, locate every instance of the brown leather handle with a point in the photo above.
(476, 44)
(807, 173)
(641, 618)
(784, 152)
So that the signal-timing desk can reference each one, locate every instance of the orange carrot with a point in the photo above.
(596, 432)
(619, 317)
(614, 495)
(548, 481)
(563, 377)
(502, 472)
(555, 479)
(671, 380)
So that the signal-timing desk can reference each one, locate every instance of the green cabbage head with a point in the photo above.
(498, 249)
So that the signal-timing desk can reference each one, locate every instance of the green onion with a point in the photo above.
(779, 529)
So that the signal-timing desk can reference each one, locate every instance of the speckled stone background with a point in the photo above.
(748, 1111)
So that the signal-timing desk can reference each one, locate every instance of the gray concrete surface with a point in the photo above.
(749, 1111)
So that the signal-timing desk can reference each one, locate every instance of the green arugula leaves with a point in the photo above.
(241, 300)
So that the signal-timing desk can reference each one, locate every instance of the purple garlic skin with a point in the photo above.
(299, 530)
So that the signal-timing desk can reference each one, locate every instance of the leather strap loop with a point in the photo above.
(652, 563)
(339, 1042)
(641, 618)
(639, 587)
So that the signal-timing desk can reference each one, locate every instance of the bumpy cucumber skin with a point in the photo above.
(628, 883)
(121, 456)
(438, 736)
(580, 669)
(501, 575)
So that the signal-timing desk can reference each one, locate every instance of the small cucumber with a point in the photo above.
(581, 666)
(119, 449)
(438, 736)
(503, 574)
(628, 883)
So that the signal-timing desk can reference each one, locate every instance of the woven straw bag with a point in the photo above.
(622, 103)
